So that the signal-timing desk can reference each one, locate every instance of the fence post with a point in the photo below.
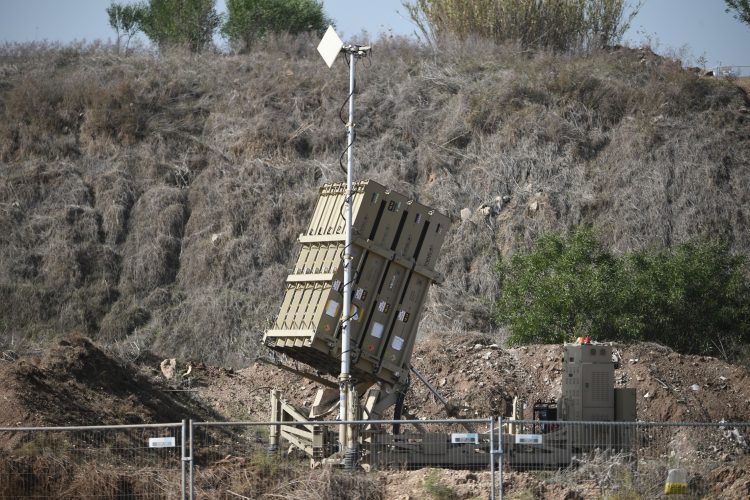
(191, 485)
(500, 452)
(493, 480)
(183, 459)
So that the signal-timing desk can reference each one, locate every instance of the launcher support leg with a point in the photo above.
(273, 437)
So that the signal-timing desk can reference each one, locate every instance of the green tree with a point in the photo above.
(186, 23)
(740, 9)
(125, 20)
(249, 20)
(693, 297)
(558, 291)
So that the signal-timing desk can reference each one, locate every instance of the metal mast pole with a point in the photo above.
(345, 377)
(330, 47)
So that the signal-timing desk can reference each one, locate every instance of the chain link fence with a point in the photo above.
(619, 459)
(491, 458)
(126, 461)
(302, 460)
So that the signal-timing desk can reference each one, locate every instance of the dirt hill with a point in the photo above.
(155, 200)
(76, 382)
(476, 374)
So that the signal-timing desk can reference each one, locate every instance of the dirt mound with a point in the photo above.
(77, 383)
(676, 387)
(731, 481)
(436, 483)
(476, 374)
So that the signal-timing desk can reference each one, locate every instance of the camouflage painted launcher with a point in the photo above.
(396, 242)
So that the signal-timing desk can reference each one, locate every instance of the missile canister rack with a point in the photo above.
(396, 242)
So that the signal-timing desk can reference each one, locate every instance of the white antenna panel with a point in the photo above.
(330, 46)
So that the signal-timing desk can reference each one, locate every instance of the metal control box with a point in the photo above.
(587, 381)
(396, 243)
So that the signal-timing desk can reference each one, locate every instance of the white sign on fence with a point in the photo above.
(163, 442)
(528, 439)
(466, 437)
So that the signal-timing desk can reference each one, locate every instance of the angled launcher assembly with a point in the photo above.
(396, 242)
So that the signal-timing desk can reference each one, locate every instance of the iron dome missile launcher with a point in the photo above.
(395, 246)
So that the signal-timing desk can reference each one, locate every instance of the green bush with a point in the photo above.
(183, 23)
(693, 297)
(560, 290)
(249, 20)
(556, 24)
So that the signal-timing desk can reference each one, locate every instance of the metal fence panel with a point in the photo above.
(138, 462)
(626, 459)
(443, 458)
(244, 459)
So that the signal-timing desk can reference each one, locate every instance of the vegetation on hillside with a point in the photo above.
(125, 20)
(179, 23)
(693, 297)
(560, 25)
(249, 20)
(156, 200)
(192, 24)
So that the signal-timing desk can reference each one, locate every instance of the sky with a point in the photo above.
(690, 29)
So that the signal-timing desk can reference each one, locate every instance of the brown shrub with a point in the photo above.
(115, 193)
(152, 248)
(52, 476)
(121, 320)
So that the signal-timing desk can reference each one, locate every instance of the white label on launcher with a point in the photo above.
(397, 343)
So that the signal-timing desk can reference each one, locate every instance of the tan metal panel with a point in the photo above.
(317, 213)
(285, 305)
(434, 237)
(302, 259)
(389, 224)
(403, 334)
(415, 225)
(381, 316)
(625, 404)
(369, 275)
(365, 291)
(396, 242)
(328, 216)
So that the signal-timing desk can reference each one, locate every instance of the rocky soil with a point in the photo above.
(77, 382)
(478, 376)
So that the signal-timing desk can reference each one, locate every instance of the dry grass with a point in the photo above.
(57, 477)
(266, 478)
(158, 199)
